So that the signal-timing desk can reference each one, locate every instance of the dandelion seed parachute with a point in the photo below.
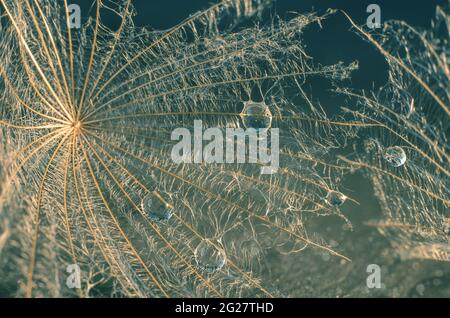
(86, 119)
(256, 116)
(209, 257)
(412, 112)
(335, 198)
(395, 156)
(156, 208)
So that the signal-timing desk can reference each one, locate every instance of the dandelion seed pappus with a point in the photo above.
(222, 150)
(86, 118)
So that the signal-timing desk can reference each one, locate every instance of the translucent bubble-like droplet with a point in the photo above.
(209, 257)
(257, 116)
(156, 207)
(395, 156)
(335, 198)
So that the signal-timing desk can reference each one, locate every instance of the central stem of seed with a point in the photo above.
(76, 126)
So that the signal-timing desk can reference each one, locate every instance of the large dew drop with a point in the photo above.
(256, 115)
(335, 198)
(395, 156)
(156, 207)
(209, 257)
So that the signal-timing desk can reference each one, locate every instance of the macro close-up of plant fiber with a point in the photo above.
(357, 121)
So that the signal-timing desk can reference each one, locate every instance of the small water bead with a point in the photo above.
(420, 289)
(209, 257)
(256, 115)
(395, 156)
(155, 205)
(335, 198)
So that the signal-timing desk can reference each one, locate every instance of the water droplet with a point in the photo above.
(335, 198)
(256, 115)
(395, 156)
(420, 289)
(155, 205)
(209, 257)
